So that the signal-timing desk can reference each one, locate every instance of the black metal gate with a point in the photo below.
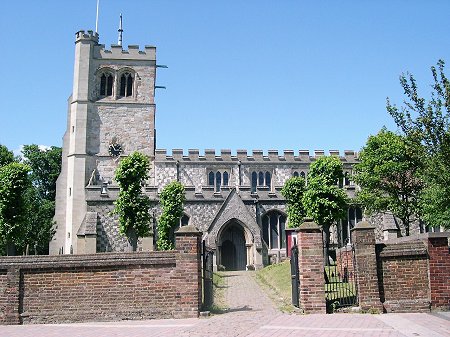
(295, 279)
(207, 275)
(340, 280)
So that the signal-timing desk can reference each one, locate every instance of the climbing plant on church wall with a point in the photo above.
(132, 206)
(172, 198)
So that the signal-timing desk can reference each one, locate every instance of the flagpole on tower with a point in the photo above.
(120, 30)
(96, 18)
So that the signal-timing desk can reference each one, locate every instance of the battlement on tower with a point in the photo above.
(116, 52)
(193, 155)
(89, 35)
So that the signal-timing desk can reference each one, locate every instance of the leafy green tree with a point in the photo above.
(324, 201)
(14, 183)
(6, 156)
(426, 122)
(45, 168)
(132, 205)
(293, 191)
(172, 198)
(389, 176)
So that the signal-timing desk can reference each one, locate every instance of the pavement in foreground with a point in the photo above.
(251, 313)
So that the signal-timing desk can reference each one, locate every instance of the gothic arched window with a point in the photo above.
(273, 230)
(218, 181)
(254, 181)
(184, 221)
(295, 174)
(126, 85)
(268, 179)
(303, 175)
(211, 178)
(106, 84)
(225, 178)
(260, 179)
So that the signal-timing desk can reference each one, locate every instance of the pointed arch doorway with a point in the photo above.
(233, 250)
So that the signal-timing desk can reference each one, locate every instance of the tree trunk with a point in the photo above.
(132, 239)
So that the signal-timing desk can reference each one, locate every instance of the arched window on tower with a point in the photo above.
(106, 84)
(295, 174)
(126, 85)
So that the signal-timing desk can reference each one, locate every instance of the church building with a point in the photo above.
(234, 199)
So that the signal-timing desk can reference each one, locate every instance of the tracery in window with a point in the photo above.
(261, 179)
(106, 84)
(218, 179)
(273, 224)
(126, 85)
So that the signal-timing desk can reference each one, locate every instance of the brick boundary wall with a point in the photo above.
(403, 276)
(439, 255)
(103, 287)
(408, 274)
(311, 268)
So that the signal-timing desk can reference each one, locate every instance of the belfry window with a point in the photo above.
(106, 85)
(126, 85)
(273, 230)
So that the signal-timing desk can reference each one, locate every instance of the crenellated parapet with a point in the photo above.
(133, 52)
(256, 156)
(87, 36)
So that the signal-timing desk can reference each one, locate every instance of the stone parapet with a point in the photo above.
(226, 155)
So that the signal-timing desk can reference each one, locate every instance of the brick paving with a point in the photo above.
(251, 313)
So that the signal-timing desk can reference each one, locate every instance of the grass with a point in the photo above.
(276, 280)
(219, 304)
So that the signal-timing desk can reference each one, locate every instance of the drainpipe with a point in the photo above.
(239, 173)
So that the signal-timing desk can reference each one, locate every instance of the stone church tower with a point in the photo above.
(111, 113)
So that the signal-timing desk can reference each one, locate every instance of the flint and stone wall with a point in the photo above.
(110, 286)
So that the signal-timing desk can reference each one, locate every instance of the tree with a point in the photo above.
(45, 164)
(132, 205)
(293, 191)
(389, 176)
(323, 200)
(6, 156)
(14, 182)
(427, 123)
(45, 168)
(172, 198)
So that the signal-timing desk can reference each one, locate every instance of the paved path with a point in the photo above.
(251, 313)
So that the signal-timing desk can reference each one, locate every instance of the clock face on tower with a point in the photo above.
(115, 149)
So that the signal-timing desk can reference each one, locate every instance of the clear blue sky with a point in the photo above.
(248, 74)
